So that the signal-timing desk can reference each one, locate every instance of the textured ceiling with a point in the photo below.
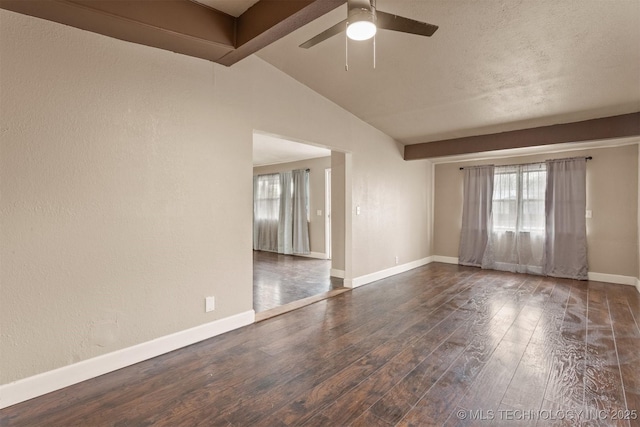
(494, 65)
(270, 150)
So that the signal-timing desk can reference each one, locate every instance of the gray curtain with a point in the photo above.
(280, 212)
(566, 230)
(476, 214)
(266, 208)
(516, 240)
(285, 218)
(300, 211)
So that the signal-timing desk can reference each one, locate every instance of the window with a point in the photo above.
(281, 212)
(526, 218)
(267, 197)
(534, 185)
(505, 199)
(518, 198)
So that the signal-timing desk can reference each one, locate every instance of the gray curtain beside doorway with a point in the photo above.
(301, 212)
(285, 218)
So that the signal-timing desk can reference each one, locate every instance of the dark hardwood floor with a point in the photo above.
(282, 279)
(439, 345)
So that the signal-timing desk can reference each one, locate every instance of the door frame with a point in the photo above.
(327, 212)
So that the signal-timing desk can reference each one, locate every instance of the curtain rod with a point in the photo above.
(533, 163)
(262, 174)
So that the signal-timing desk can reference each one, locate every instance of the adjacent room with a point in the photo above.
(450, 237)
(292, 225)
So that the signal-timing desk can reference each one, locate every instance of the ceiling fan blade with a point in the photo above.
(388, 21)
(330, 32)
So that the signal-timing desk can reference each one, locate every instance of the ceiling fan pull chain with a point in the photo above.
(373, 9)
(374, 52)
(346, 51)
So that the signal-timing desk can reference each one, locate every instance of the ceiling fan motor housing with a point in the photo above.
(361, 20)
(361, 11)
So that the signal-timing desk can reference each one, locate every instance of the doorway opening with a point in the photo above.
(327, 212)
(283, 282)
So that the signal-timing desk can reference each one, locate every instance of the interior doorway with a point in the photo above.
(283, 282)
(327, 212)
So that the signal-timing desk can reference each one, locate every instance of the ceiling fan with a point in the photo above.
(363, 20)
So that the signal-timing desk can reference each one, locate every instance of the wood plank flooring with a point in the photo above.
(282, 279)
(441, 345)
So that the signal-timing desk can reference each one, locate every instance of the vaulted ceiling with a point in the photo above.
(493, 66)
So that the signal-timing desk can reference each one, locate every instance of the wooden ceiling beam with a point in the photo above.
(176, 25)
(269, 20)
(181, 26)
(622, 126)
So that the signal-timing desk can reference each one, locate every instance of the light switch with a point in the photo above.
(319, 212)
(588, 213)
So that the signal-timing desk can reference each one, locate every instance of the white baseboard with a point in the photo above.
(597, 277)
(445, 259)
(46, 382)
(382, 274)
(337, 273)
(317, 255)
(613, 278)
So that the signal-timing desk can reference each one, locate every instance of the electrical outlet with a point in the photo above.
(209, 304)
(397, 260)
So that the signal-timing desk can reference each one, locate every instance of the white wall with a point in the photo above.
(339, 212)
(125, 175)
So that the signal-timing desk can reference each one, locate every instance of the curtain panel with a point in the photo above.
(285, 216)
(476, 214)
(280, 212)
(566, 228)
(266, 211)
(526, 218)
(300, 212)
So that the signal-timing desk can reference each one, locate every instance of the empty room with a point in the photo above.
(481, 265)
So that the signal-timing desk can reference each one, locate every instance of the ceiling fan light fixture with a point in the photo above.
(362, 22)
(361, 25)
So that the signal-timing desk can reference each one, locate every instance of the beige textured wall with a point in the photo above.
(125, 175)
(394, 208)
(316, 194)
(124, 199)
(612, 195)
(338, 210)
